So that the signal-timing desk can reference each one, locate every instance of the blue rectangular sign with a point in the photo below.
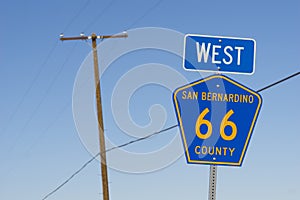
(218, 53)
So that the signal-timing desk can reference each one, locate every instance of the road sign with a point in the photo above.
(216, 117)
(218, 53)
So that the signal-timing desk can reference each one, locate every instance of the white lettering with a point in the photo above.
(202, 52)
(214, 54)
(228, 55)
(239, 49)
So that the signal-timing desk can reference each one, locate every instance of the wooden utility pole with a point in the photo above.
(94, 38)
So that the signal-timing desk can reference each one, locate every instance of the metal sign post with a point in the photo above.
(212, 182)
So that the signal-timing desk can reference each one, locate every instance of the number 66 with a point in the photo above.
(225, 122)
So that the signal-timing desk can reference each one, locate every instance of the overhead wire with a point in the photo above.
(147, 137)
(127, 143)
(72, 176)
(98, 154)
(50, 125)
(89, 25)
(38, 73)
(101, 13)
(35, 110)
(82, 8)
(92, 22)
(277, 82)
(47, 90)
(29, 88)
(33, 82)
(68, 57)
(145, 14)
(38, 105)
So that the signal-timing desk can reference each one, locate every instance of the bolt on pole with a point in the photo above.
(103, 162)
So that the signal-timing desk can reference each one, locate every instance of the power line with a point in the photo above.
(105, 9)
(33, 82)
(82, 8)
(142, 138)
(72, 176)
(95, 156)
(146, 137)
(33, 113)
(277, 82)
(52, 50)
(35, 110)
(50, 125)
(130, 142)
(145, 14)
(39, 72)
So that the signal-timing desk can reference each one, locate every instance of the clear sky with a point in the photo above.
(40, 145)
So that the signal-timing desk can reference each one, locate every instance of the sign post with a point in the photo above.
(212, 182)
(216, 114)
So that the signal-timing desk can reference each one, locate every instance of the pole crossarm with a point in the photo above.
(84, 37)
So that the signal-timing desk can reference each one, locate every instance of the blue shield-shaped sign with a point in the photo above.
(217, 116)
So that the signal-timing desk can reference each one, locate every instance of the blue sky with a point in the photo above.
(39, 143)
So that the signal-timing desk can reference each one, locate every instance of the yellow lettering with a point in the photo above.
(184, 95)
(225, 98)
(230, 97)
(220, 97)
(208, 96)
(245, 98)
(225, 150)
(218, 151)
(203, 96)
(251, 99)
(189, 95)
(197, 151)
(202, 150)
(211, 150)
(236, 98)
(214, 97)
(231, 150)
(195, 95)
